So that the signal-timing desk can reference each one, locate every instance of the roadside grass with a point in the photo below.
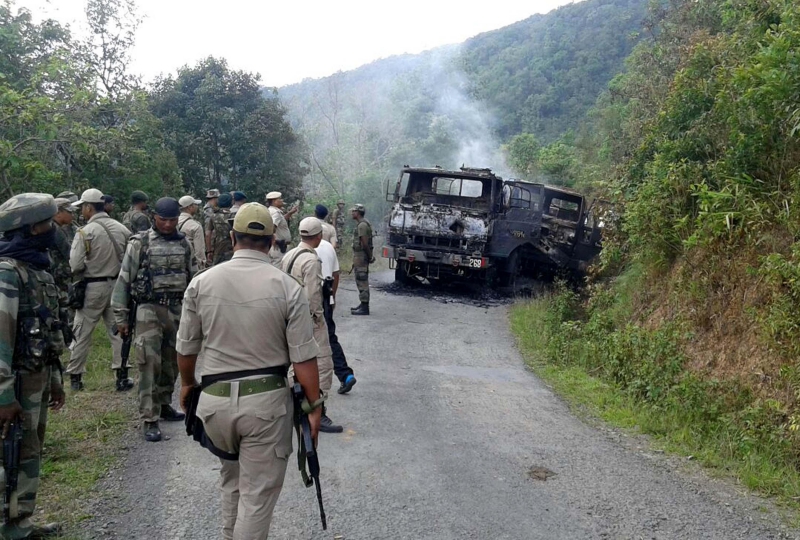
(632, 379)
(84, 439)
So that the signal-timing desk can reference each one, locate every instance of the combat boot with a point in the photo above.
(46, 531)
(75, 382)
(326, 425)
(151, 432)
(123, 382)
(363, 309)
(171, 415)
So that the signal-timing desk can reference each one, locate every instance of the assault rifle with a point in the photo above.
(12, 448)
(306, 452)
(127, 341)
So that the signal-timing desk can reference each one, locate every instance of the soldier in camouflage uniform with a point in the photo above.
(59, 255)
(337, 220)
(212, 198)
(362, 257)
(70, 228)
(30, 345)
(156, 269)
(135, 218)
(219, 247)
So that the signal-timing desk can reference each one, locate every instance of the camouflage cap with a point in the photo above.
(212, 194)
(253, 218)
(26, 209)
(70, 196)
(65, 204)
(358, 208)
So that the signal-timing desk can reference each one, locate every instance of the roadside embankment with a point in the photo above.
(611, 363)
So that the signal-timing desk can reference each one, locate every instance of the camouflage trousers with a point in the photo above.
(156, 330)
(361, 271)
(35, 396)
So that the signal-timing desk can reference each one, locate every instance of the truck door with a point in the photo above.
(519, 220)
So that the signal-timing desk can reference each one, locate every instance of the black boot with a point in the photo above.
(151, 432)
(75, 382)
(363, 309)
(326, 425)
(171, 415)
(123, 382)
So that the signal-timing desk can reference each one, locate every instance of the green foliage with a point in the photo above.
(637, 377)
(543, 74)
(58, 130)
(225, 133)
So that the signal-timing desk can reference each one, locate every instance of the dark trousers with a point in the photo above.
(340, 367)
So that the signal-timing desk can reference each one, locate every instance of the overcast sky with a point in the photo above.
(287, 41)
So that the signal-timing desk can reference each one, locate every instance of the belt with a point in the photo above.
(248, 387)
(98, 279)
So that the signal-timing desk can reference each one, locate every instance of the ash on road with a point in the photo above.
(447, 436)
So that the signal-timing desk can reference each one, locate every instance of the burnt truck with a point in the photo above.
(471, 225)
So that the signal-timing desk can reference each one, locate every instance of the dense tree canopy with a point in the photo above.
(225, 133)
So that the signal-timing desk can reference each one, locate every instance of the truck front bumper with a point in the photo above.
(455, 260)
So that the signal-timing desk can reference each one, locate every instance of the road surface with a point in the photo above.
(447, 437)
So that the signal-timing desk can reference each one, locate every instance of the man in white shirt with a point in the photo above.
(330, 275)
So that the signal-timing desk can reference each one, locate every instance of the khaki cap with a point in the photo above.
(187, 200)
(253, 218)
(310, 226)
(92, 196)
(274, 195)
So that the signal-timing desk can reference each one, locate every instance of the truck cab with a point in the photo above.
(459, 225)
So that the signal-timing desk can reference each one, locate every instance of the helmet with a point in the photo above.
(26, 209)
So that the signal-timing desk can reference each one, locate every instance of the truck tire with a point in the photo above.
(401, 273)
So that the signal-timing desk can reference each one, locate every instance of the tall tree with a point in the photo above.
(226, 133)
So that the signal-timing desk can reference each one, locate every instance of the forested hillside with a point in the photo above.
(692, 314)
(458, 105)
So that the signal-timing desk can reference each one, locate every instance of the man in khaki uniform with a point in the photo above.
(95, 257)
(192, 228)
(250, 321)
(303, 264)
(283, 237)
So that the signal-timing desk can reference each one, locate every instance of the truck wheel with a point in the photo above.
(401, 273)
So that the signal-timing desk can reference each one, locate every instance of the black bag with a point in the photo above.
(76, 294)
(196, 430)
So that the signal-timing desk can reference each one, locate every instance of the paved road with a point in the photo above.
(443, 429)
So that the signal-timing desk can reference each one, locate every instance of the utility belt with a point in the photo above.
(270, 379)
(219, 385)
(99, 279)
(164, 299)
